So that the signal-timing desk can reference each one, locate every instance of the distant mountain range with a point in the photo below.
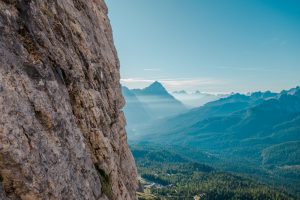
(148, 104)
(262, 128)
(196, 98)
(234, 113)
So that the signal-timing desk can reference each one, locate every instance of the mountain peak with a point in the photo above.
(293, 91)
(155, 87)
(156, 84)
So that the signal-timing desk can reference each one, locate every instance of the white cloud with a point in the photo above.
(152, 69)
(189, 84)
(136, 80)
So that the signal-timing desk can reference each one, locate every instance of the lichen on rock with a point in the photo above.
(62, 132)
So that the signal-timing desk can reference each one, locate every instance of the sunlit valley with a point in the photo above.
(238, 146)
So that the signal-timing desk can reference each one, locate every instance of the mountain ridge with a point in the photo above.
(241, 127)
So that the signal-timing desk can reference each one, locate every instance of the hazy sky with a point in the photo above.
(208, 45)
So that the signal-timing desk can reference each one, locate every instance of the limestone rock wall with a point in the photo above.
(62, 131)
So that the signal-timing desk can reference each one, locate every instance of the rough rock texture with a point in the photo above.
(61, 129)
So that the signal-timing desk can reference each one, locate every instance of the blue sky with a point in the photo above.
(208, 45)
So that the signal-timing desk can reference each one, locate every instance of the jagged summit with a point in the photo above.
(157, 101)
(293, 91)
(265, 95)
(155, 88)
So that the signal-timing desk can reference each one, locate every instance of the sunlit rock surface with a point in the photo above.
(62, 132)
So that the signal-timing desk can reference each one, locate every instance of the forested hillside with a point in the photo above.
(167, 175)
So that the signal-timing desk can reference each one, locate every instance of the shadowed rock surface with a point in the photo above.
(62, 131)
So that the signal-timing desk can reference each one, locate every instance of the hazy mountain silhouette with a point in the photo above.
(219, 108)
(158, 102)
(248, 127)
(237, 116)
(196, 98)
(134, 110)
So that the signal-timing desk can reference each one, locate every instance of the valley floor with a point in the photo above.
(167, 175)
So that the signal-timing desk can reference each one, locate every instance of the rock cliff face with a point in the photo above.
(62, 132)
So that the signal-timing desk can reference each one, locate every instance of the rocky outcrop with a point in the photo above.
(62, 132)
